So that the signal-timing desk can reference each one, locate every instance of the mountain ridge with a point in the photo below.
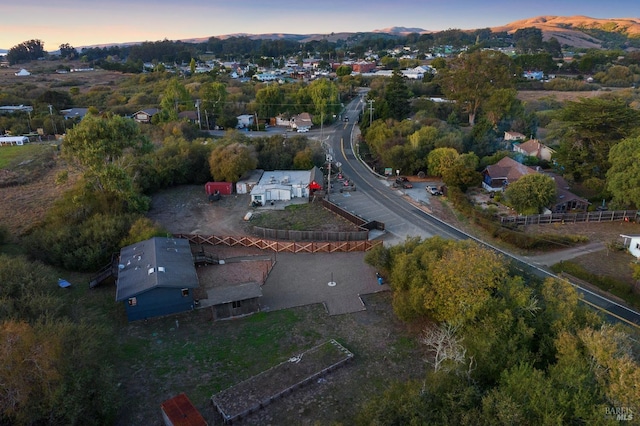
(569, 30)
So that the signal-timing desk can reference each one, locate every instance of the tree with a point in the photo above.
(463, 172)
(531, 193)
(28, 375)
(343, 70)
(99, 146)
(214, 96)
(325, 99)
(26, 51)
(441, 159)
(623, 178)
(444, 343)
(587, 129)
(229, 162)
(396, 97)
(528, 40)
(471, 78)
(270, 100)
(67, 51)
(174, 97)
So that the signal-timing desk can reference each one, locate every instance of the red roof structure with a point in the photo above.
(179, 411)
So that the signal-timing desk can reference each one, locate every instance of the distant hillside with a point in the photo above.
(577, 31)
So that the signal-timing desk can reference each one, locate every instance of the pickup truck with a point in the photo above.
(403, 182)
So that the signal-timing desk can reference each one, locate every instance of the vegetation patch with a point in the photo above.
(303, 217)
(605, 283)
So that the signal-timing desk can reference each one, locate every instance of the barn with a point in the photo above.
(156, 277)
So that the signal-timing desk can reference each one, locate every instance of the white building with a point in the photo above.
(632, 243)
(281, 185)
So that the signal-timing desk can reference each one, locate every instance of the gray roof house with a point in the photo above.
(145, 115)
(156, 277)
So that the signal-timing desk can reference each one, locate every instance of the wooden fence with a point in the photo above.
(597, 216)
(356, 220)
(291, 235)
(282, 246)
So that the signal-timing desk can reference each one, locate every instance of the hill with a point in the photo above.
(577, 31)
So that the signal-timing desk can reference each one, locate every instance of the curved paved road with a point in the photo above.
(375, 201)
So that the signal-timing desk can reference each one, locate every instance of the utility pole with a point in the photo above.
(371, 101)
(198, 108)
(53, 123)
(329, 160)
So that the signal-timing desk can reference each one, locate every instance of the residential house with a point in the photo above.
(15, 108)
(74, 113)
(534, 148)
(145, 115)
(302, 121)
(245, 121)
(190, 116)
(156, 277)
(566, 201)
(497, 176)
(533, 75)
(514, 136)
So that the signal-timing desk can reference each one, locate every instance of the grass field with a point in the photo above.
(11, 156)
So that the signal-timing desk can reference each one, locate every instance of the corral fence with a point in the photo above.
(597, 216)
(282, 246)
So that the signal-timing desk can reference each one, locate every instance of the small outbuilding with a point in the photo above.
(180, 411)
(235, 301)
(156, 277)
(632, 243)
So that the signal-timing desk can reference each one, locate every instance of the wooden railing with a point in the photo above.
(282, 246)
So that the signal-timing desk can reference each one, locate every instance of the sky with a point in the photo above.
(83, 23)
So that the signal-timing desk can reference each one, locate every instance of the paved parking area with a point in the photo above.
(304, 278)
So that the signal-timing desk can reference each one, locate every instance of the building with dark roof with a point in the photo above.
(156, 277)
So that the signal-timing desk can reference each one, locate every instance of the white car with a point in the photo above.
(303, 130)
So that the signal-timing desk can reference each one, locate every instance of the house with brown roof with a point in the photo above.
(302, 121)
(534, 148)
(497, 176)
(566, 201)
(506, 171)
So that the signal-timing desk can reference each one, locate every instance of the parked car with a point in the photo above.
(433, 190)
(303, 130)
(348, 188)
(403, 182)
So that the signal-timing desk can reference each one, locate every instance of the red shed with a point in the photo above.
(179, 411)
(225, 188)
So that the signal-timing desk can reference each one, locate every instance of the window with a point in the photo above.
(185, 292)
(236, 304)
(133, 301)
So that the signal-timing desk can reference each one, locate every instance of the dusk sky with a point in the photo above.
(91, 22)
